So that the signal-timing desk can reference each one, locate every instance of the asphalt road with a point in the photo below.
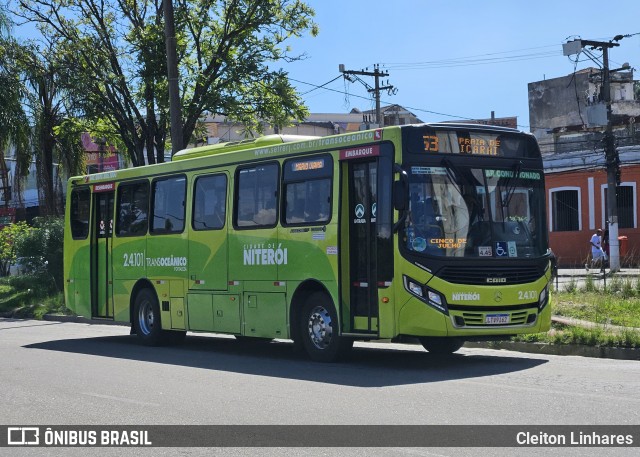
(71, 373)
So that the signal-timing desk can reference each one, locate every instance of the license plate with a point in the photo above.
(496, 319)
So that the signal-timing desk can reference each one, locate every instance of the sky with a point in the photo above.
(452, 60)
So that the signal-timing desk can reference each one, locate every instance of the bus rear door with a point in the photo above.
(101, 246)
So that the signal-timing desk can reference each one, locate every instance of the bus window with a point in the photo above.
(210, 196)
(79, 219)
(168, 205)
(307, 190)
(256, 197)
(308, 202)
(132, 209)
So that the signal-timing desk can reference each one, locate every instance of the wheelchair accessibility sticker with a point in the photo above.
(501, 249)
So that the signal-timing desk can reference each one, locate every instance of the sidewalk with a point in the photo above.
(582, 272)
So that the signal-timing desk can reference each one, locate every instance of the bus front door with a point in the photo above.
(367, 244)
(362, 246)
(101, 262)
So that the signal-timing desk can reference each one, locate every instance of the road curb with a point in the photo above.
(560, 349)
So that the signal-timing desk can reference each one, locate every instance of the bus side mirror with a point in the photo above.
(400, 195)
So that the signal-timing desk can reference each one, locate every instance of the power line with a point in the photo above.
(474, 57)
(469, 62)
(423, 110)
(321, 86)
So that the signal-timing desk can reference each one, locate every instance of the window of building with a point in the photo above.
(256, 197)
(209, 202)
(79, 220)
(132, 209)
(626, 200)
(565, 210)
(168, 205)
(307, 191)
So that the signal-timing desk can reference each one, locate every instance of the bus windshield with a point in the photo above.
(457, 211)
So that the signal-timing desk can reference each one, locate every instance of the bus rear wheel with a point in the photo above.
(319, 330)
(441, 345)
(146, 318)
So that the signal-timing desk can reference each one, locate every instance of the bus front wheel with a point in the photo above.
(146, 318)
(441, 345)
(319, 330)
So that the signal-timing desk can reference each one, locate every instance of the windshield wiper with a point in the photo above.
(452, 171)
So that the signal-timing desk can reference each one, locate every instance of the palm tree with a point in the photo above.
(14, 125)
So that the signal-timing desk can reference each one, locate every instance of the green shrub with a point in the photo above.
(42, 249)
(9, 236)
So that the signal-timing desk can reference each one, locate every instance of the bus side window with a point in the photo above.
(308, 202)
(132, 209)
(209, 202)
(79, 220)
(307, 190)
(168, 205)
(256, 197)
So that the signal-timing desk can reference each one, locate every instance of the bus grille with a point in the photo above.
(477, 319)
(494, 276)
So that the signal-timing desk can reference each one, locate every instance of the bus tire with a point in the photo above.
(441, 345)
(146, 319)
(319, 332)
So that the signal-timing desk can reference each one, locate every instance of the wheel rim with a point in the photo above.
(320, 330)
(146, 317)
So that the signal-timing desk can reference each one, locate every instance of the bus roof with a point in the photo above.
(262, 141)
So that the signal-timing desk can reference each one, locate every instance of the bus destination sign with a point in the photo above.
(469, 141)
(307, 165)
(477, 145)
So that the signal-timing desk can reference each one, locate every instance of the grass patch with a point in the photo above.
(28, 297)
(599, 337)
(616, 304)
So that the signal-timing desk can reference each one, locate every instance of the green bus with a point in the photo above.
(429, 232)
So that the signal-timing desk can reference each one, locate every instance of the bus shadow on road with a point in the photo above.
(365, 367)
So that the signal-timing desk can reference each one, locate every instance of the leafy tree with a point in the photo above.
(9, 235)
(4, 20)
(114, 53)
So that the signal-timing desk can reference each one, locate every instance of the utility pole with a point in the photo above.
(175, 111)
(611, 153)
(377, 74)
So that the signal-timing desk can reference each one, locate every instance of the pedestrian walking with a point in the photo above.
(597, 253)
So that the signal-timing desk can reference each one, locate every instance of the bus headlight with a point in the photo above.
(544, 298)
(435, 298)
(414, 287)
(429, 296)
